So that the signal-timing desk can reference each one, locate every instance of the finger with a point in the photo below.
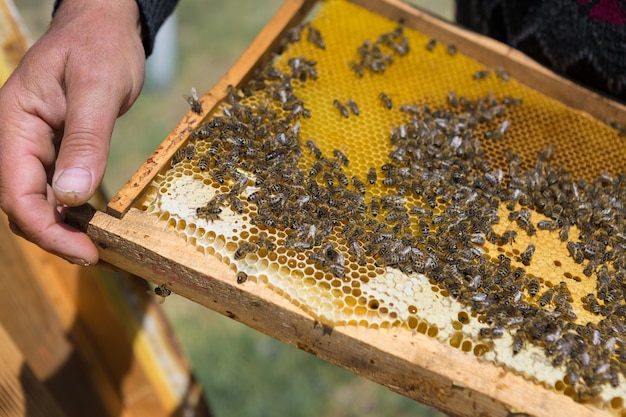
(34, 215)
(91, 110)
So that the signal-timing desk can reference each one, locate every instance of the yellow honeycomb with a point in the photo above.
(467, 162)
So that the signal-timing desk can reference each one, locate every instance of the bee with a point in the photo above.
(527, 255)
(161, 291)
(546, 297)
(507, 236)
(575, 251)
(341, 107)
(386, 100)
(533, 286)
(194, 102)
(236, 204)
(241, 277)
(452, 99)
(481, 74)
(209, 212)
(518, 343)
(343, 179)
(190, 151)
(502, 74)
(354, 108)
(178, 156)
(495, 331)
(341, 157)
(451, 49)
(593, 304)
(548, 225)
(264, 242)
(315, 169)
(203, 163)
(315, 37)
(371, 175)
(430, 46)
(357, 68)
(244, 249)
(375, 206)
(314, 148)
(358, 184)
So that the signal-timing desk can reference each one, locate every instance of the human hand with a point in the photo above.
(57, 112)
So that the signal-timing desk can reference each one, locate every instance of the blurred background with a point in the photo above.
(243, 372)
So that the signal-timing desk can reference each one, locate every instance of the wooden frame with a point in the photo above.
(411, 364)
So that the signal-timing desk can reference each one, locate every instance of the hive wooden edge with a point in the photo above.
(485, 50)
(409, 363)
(259, 51)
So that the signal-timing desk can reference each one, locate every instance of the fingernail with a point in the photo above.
(74, 180)
(77, 261)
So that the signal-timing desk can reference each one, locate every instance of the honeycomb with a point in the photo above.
(376, 177)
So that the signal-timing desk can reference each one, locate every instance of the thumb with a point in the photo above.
(91, 112)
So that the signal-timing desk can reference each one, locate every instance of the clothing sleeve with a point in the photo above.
(152, 14)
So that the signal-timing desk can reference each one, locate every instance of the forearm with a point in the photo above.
(152, 14)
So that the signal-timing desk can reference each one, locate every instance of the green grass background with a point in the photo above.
(243, 372)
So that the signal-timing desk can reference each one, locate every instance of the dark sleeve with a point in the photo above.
(152, 14)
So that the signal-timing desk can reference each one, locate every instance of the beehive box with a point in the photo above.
(420, 205)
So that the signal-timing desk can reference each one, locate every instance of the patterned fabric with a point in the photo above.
(584, 40)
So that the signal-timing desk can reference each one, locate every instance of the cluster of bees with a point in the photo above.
(378, 55)
(440, 199)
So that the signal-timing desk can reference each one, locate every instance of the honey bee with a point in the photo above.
(527, 255)
(481, 74)
(518, 343)
(241, 277)
(209, 212)
(203, 163)
(161, 291)
(502, 74)
(315, 37)
(507, 236)
(548, 225)
(343, 110)
(375, 206)
(358, 184)
(244, 249)
(357, 68)
(533, 286)
(575, 251)
(354, 108)
(236, 204)
(386, 100)
(546, 297)
(190, 151)
(371, 175)
(452, 49)
(264, 242)
(315, 150)
(194, 102)
(430, 46)
(593, 304)
(178, 156)
(340, 157)
(452, 99)
(343, 179)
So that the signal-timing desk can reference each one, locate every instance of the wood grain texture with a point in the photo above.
(408, 363)
(21, 392)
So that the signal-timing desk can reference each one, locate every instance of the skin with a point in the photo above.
(57, 112)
